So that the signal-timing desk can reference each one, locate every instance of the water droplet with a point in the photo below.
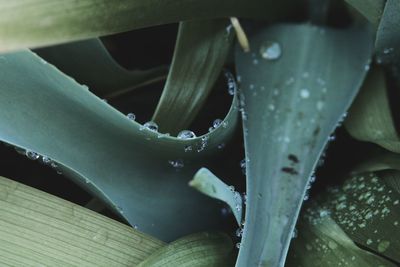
(131, 116)
(217, 123)
(232, 87)
(221, 146)
(46, 160)
(320, 105)
(238, 245)
(239, 232)
(304, 93)
(135, 227)
(270, 50)
(294, 233)
(186, 134)
(151, 125)
(383, 245)
(231, 188)
(387, 50)
(176, 163)
(188, 148)
(31, 155)
(271, 107)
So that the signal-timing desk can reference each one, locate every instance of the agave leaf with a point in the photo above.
(321, 242)
(90, 63)
(203, 249)
(141, 173)
(209, 184)
(367, 209)
(201, 49)
(40, 229)
(388, 37)
(34, 23)
(292, 103)
(370, 9)
(370, 117)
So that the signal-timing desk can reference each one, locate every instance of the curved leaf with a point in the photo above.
(197, 250)
(293, 98)
(367, 209)
(370, 117)
(34, 23)
(43, 230)
(200, 52)
(321, 242)
(124, 163)
(90, 63)
(210, 185)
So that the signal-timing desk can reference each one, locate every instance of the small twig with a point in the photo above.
(240, 34)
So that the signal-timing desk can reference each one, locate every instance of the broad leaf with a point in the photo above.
(196, 250)
(141, 173)
(370, 117)
(34, 23)
(43, 230)
(296, 85)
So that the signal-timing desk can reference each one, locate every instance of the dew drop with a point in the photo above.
(304, 93)
(232, 87)
(270, 50)
(231, 188)
(186, 134)
(239, 232)
(151, 125)
(46, 160)
(216, 123)
(31, 155)
(294, 233)
(176, 163)
(131, 116)
(238, 245)
(221, 146)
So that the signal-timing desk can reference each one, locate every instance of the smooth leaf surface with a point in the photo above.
(370, 9)
(141, 173)
(321, 242)
(38, 229)
(34, 23)
(291, 106)
(90, 63)
(196, 250)
(200, 52)
(370, 117)
(209, 184)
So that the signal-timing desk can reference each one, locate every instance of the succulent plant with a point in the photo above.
(216, 157)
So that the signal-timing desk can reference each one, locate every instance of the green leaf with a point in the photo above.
(141, 173)
(370, 9)
(34, 23)
(90, 63)
(210, 185)
(388, 36)
(370, 117)
(200, 52)
(367, 209)
(321, 242)
(293, 98)
(203, 249)
(38, 229)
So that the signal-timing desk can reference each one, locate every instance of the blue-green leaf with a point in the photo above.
(296, 85)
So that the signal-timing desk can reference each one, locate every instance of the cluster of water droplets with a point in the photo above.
(177, 164)
(231, 82)
(32, 155)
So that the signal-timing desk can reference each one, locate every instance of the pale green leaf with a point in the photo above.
(197, 250)
(210, 185)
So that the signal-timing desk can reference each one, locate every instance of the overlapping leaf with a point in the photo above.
(90, 63)
(34, 23)
(143, 174)
(293, 98)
